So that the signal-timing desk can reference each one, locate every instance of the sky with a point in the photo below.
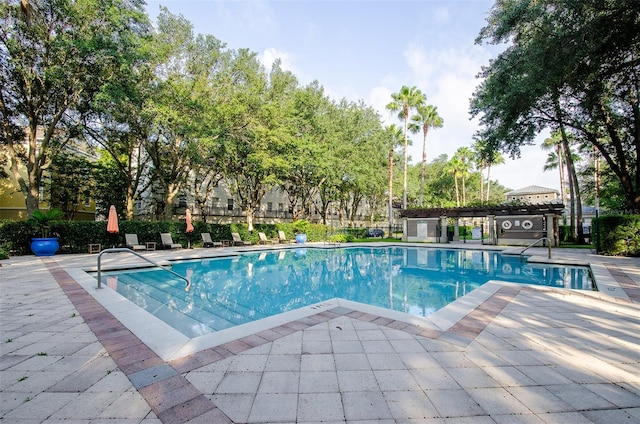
(365, 50)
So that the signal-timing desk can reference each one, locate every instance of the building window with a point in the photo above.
(280, 207)
(269, 207)
(215, 202)
(87, 201)
(182, 201)
(230, 204)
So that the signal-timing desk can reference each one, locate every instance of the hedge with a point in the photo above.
(618, 235)
(75, 236)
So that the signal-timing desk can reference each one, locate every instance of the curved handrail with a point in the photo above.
(122, 249)
(534, 243)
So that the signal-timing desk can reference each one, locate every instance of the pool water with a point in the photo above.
(229, 291)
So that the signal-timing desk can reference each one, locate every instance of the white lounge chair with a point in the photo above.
(264, 240)
(208, 242)
(131, 240)
(237, 240)
(167, 241)
(282, 238)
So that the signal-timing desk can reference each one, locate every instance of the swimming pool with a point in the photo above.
(228, 291)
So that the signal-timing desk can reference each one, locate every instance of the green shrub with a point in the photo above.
(338, 238)
(618, 235)
(75, 236)
(300, 226)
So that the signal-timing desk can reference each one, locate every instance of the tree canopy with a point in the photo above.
(174, 112)
(55, 58)
(571, 66)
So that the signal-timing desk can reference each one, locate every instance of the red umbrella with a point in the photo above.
(189, 224)
(112, 221)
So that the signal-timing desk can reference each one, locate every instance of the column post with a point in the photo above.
(492, 229)
(443, 229)
(456, 230)
(551, 229)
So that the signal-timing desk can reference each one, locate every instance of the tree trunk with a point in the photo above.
(30, 187)
(488, 181)
(455, 181)
(250, 215)
(561, 168)
(481, 185)
(171, 192)
(129, 211)
(576, 203)
(390, 190)
(424, 166)
(464, 191)
(202, 205)
(404, 179)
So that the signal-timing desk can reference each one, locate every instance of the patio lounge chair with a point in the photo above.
(167, 241)
(237, 241)
(207, 242)
(131, 241)
(264, 240)
(282, 238)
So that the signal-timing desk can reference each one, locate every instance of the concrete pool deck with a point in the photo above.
(505, 353)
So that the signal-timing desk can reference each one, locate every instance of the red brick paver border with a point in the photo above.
(627, 284)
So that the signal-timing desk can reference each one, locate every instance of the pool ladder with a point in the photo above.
(536, 242)
(122, 249)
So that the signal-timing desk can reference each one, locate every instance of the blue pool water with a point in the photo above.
(228, 291)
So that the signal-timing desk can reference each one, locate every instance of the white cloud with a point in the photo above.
(379, 98)
(448, 78)
(271, 54)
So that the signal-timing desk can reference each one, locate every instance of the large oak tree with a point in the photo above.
(55, 57)
(572, 66)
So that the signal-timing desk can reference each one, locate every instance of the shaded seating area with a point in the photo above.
(208, 242)
(264, 240)
(131, 241)
(167, 242)
(282, 238)
(237, 240)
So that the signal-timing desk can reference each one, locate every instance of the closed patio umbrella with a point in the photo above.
(189, 222)
(112, 221)
(190, 228)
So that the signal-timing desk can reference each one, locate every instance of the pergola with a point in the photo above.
(518, 223)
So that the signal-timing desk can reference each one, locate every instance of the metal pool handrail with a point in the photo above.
(122, 249)
(535, 242)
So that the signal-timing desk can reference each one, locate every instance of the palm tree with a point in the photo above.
(465, 157)
(481, 164)
(494, 158)
(555, 161)
(394, 135)
(485, 158)
(561, 141)
(403, 101)
(455, 166)
(427, 117)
